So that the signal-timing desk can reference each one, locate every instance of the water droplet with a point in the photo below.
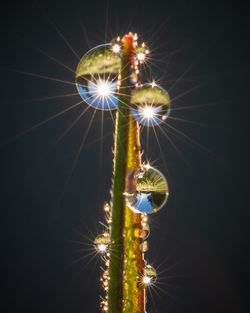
(106, 207)
(141, 53)
(144, 246)
(102, 243)
(150, 104)
(149, 275)
(144, 218)
(151, 191)
(105, 274)
(104, 306)
(146, 229)
(97, 77)
(142, 232)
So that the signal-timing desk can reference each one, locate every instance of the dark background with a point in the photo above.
(200, 241)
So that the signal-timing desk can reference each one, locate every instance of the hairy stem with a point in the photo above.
(115, 291)
(134, 293)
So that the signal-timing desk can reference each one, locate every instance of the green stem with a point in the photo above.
(115, 291)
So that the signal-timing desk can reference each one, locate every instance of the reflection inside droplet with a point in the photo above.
(151, 191)
(99, 93)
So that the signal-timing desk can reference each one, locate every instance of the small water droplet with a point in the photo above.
(105, 274)
(142, 232)
(102, 243)
(149, 275)
(144, 246)
(146, 229)
(106, 207)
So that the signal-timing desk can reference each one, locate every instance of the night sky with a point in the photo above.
(51, 203)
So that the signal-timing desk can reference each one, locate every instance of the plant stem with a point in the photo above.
(115, 291)
(134, 292)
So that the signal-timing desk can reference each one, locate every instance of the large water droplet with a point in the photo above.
(97, 77)
(150, 104)
(151, 191)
